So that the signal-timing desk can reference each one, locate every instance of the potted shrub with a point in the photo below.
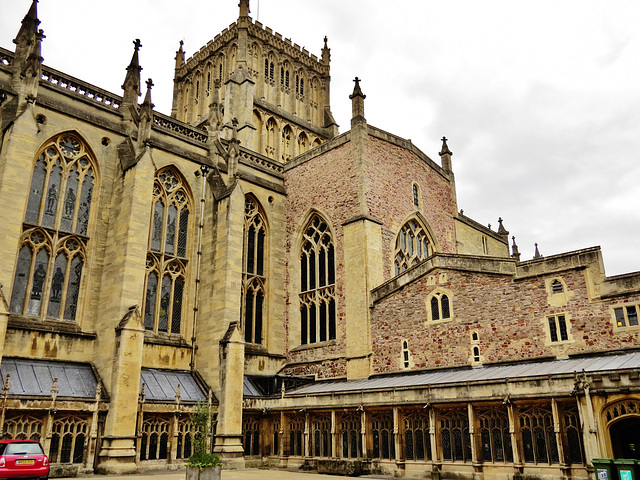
(202, 465)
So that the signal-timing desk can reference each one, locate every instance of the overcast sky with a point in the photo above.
(540, 100)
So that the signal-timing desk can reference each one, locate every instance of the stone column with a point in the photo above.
(557, 430)
(118, 452)
(228, 442)
(518, 463)
(474, 438)
(398, 444)
(436, 468)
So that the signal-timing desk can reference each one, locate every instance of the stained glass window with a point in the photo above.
(167, 256)
(48, 275)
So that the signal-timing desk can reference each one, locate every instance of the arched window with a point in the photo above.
(272, 129)
(303, 143)
(416, 437)
(167, 256)
(557, 287)
(287, 143)
(495, 436)
(382, 436)
(317, 284)
(412, 246)
(67, 440)
(53, 246)
(538, 436)
(253, 277)
(155, 439)
(321, 435)
(416, 195)
(251, 437)
(350, 433)
(296, 436)
(440, 307)
(454, 436)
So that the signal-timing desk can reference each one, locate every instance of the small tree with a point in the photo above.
(203, 423)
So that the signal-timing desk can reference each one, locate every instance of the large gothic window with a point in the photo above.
(317, 284)
(167, 256)
(412, 246)
(53, 245)
(253, 277)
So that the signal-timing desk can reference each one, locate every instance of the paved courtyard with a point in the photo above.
(247, 474)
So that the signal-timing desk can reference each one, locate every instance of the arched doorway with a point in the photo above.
(625, 438)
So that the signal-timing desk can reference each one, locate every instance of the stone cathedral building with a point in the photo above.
(320, 291)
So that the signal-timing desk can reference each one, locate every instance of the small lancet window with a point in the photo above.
(416, 196)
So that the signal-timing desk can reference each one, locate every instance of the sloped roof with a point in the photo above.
(490, 373)
(161, 385)
(31, 377)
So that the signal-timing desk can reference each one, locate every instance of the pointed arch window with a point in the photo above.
(439, 306)
(317, 284)
(167, 256)
(53, 246)
(412, 246)
(253, 277)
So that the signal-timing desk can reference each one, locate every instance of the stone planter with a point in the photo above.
(207, 473)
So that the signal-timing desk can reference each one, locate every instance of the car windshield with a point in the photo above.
(23, 449)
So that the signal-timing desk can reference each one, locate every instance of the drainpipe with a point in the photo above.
(204, 169)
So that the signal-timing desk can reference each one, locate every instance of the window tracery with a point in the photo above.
(254, 279)
(154, 441)
(68, 440)
(538, 436)
(251, 437)
(296, 436)
(321, 436)
(350, 428)
(317, 284)
(412, 246)
(439, 306)
(52, 250)
(382, 436)
(416, 437)
(167, 256)
(454, 436)
(495, 436)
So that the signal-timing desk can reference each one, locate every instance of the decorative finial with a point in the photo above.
(445, 148)
(357, 91)
(537, 252)
(501, 229)
(137, 44)
(514, 250)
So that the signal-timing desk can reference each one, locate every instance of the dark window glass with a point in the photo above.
(182, 233)
(444, 300)
(176, 316)
(553, 331)
(435, 309)
(150, 303)
(632, 315)
(563, 328)
(78, 449)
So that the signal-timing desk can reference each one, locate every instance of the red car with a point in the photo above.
(23, 459)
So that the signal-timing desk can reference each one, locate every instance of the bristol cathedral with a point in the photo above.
(242, 253)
